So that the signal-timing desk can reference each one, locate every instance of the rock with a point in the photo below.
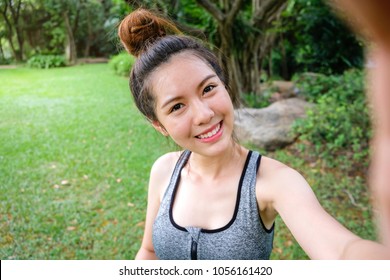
(270, 128)
(284, 86)
(284, 90)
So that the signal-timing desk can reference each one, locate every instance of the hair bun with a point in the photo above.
(141, 28)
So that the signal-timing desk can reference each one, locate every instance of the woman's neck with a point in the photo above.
(216, 166)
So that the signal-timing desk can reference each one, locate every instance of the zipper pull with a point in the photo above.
(194, 250)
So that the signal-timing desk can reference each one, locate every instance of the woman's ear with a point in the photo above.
(159, 127)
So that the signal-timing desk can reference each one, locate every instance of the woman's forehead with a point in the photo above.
(185, 57)
(183, 66)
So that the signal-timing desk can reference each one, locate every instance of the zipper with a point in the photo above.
(194, 250)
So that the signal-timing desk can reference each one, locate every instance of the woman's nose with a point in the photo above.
(202, 112)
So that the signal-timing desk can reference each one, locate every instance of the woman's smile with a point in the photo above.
(212, 134)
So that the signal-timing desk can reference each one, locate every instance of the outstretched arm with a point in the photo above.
(286, 191)
(379, 95)
(370, 20)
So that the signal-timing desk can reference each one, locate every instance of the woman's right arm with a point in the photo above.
(146, 252)
(158, 181)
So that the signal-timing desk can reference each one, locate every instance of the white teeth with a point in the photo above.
(211, 133)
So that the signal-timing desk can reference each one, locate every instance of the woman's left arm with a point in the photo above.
(318, 233)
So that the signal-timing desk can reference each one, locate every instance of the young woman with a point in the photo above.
(215, 199)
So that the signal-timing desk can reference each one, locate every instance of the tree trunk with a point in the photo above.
(70, 47)
(15, 12)
(16, 52)
(89, 37)
(1, 51)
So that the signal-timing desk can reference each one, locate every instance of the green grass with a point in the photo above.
(74, 164)
(75, 157)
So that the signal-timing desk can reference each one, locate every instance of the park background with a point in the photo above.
(75, 154)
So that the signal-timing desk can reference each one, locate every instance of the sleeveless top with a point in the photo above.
(244, 238)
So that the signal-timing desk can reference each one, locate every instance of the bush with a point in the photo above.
(256, 101)
(122, 63)
(339, 126)
(5, 61)
(46, 61)
(319, 41)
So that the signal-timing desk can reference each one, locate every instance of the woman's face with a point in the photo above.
(193, 106)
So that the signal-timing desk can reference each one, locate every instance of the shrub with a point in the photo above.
(46, 61)
(256, 101)
(339, 126)
(4, 61)
(122, 63)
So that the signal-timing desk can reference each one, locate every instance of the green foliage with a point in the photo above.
(122, 63)
(4, 61)
(261, 100)
(256, 101)
(46, 61)
(313, 39)
(40, 27)
(339, 126)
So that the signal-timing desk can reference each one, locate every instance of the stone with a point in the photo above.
(270, 128)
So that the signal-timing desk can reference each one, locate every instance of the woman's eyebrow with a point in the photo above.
(205, 80)
(170, 100)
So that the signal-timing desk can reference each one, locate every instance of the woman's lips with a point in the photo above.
(211, 134)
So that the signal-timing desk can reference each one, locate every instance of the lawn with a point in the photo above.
(75, 157)
(74, 164)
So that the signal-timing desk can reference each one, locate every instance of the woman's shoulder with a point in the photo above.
(269, 167)
(166, 162)
(277, 177)
(274, 169)
(162, 170)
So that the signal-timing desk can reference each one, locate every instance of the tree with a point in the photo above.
(71, 27)
(70, 8)
(10, 11)
(70, 44)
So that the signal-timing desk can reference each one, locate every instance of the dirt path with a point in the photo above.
(8, 66)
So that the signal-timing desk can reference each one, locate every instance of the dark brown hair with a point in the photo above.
(154, 39)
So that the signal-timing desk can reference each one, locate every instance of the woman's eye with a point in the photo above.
(208, 88)
(176, 107)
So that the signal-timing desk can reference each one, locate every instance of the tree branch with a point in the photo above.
(265, 8)
(212, 9)
(234, 10)
(196, 32)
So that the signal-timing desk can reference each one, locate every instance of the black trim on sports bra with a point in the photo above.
(235, 209)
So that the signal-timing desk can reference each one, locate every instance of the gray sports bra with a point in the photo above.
(244, 238)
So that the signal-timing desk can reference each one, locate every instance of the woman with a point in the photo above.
(216, 199)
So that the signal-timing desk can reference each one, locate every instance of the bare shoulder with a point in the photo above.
(276, 179)
(166, 162)
(277, 171)
(161, 172)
